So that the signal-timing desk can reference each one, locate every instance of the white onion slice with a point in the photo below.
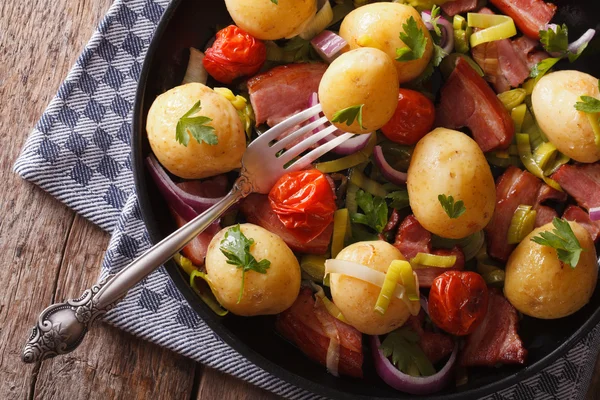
(328, 324)
(195, 71)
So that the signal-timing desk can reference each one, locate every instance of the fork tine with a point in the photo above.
(281, 144)
(306, 143)
(280, 128)
(318, 152)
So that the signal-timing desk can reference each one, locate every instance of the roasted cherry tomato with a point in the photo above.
(413, 118)
(234, 53)
(304, 203)
(458, 301)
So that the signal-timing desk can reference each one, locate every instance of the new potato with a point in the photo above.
(553, 99)
(264, 294)
(356, 299)
(362, 76)
(538, 284)
(382, 23)
(451, 163)
(196, 160)
(266, 20)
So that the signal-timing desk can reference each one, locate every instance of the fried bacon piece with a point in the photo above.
(495, 340)
(582, 181)
(258, 211)
(546, 214)
(459, 6)
(301, 326)
(530, 16)
(577, 214)
(513, 188)
(427, 275)
(467, 100)
(436, 346)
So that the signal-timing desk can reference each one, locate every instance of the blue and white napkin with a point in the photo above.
(80, 153)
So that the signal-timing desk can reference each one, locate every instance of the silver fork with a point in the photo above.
(62, 326)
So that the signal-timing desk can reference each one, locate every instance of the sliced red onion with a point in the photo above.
(350, 146)
(394, 176)
(411, 384)
(447, 39)
(424, 304)
(328, 45)
(185, 204)
(575, 47)
(595, 213)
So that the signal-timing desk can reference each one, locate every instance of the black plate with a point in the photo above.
(189, 23)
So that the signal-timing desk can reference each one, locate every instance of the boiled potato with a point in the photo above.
(356, 299)
(362, 76)
(553, 100)
(538, 284)
(382, 23)
(264, 294)
(450, 163)
(196, 160)
(266, 20)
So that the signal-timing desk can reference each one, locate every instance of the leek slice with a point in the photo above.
(521, 224)
(559, 160)
(459, 23)
(518, 116)
(361, 156)
(528, 86)
(593, 118)
(341, 230)
(368, 185)
(495, 27)
(544, 153)
(398, 270)
(512, 98)
(469, 245)
(313, 266)
(185, 263)
(351, 204)
(432, 260)
(524, 148)
(491, 274)
(207, 296)
(329, 305)
(320, 21)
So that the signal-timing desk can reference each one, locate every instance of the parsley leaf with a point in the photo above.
(275, 2)
(348, 115)
(454, 210)
(375, 211)
(402, 346)
(399, 199)
(435, 16)
(415, 41)
(563, 240)
(542, 67)
(588, 104)
(555, 41)
(236, 247)
(196, 126)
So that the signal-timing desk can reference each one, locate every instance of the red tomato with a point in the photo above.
(235, 53)
(458, 301)
(304, 203)
(413, 118)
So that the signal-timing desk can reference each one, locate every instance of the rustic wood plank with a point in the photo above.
(109, 363)
(217, 385)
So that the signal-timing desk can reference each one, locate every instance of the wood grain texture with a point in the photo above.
(47, 253)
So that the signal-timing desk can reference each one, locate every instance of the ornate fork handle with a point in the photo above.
(61, 327)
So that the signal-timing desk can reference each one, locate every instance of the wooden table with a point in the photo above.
(47, 252)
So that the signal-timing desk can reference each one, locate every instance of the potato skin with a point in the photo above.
(538, 284)
(264, 294)
(451, 163)
(197, 160)
(362, 76)
(383, 23)
(553, 99)
(268, 21)
(356, 299)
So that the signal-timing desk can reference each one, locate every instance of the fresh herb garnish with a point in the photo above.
(563, 240)
(236, 247)
(399, 199)
(415, 41)
(454, 210)
(588, 104)
(555, 41)
(402, 346)
(375, 211)
(435, 16)
(196, 126)
(348, 115)
(275, 2)
(542, 67)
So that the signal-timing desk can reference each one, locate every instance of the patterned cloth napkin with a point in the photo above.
(80, 153)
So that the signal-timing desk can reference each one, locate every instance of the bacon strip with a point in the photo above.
(283, 91)
(412, 238)
(577, 214)
(467, 100)
(513, 188)
(300, 325)
(530, 16)
(495, 340)
(546, 214)
(258, 211)
(435, 345)
(459, 6)
(582, 181)
(427, 275)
